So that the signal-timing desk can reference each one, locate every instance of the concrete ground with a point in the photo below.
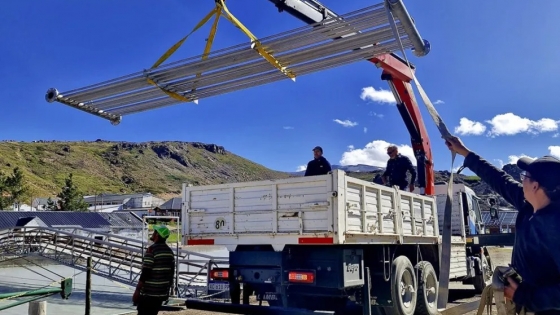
(459, 293)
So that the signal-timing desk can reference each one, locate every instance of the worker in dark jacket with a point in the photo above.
(397, 166)
(319, 165)
(157, 275)
(536, 253)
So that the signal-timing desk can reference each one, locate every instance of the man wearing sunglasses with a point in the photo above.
(536, 253)
(395, 172)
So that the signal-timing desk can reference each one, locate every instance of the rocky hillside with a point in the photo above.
(104, 166)
(157, 167)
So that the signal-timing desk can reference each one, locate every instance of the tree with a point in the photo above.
(71, 199)
(12, 188)
(52, 205)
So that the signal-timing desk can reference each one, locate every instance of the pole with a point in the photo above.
(37, 308)
(88, 287)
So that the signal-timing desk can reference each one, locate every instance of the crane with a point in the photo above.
(398, 76)
(334, 40)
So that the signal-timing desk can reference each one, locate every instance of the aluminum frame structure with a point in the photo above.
(334, 42)
(114, 257)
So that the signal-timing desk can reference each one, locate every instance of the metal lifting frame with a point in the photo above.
(395, 71)
(334, 42)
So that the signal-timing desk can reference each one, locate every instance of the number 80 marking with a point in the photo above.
(220, 223)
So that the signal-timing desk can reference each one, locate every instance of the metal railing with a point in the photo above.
(114, 257)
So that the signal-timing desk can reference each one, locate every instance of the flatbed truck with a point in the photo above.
(316, 242)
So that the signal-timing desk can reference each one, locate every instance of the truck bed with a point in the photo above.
(327, 209)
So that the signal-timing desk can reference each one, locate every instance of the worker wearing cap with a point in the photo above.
(158, 270)
(536, 253)
(397, 167)
(319, 165)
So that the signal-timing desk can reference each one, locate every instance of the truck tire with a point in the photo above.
(403, 287)
(427, 289)
(483, 279)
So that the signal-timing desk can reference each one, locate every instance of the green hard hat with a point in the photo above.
(162, 230)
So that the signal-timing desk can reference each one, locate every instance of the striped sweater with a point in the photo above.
(158, 271)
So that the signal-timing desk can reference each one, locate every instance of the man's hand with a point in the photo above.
(136, 297)
(411, 187)
(456, 145)
(509, 290)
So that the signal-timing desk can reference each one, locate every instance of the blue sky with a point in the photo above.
(493, 70)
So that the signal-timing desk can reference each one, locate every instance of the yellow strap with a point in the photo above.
(210, 40)
(256, 43)
(172, 50)
(220, 5)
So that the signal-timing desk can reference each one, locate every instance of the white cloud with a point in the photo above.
(365, 129)
(346, 123)
(556, 135)
(512, 159)
(301, 168)
(376, 114)
(379, 96)
(554, 150)
(500, 162)
(469, 127)
(510, 124)
(438, 102)
(374, 153)
(288, 127)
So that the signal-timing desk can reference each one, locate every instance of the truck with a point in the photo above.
(328, 242)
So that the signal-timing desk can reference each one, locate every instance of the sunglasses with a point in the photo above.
(390, 152)
(524, 175)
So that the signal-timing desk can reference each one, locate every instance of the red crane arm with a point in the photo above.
(397, 74)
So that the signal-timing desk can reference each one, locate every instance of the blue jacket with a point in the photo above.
(536, 253)
(318, 166)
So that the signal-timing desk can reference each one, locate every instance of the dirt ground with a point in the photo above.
(458, 293)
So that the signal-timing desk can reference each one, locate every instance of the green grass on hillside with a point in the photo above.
(112, 167)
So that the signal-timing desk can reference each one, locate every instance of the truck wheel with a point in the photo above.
(403, 287)
(427, 289)
(485, 278)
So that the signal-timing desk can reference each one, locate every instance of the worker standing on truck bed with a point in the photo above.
(319, 165)
(158, 270)
(536, 253)
(397, 166)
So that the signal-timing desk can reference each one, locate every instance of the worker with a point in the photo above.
(397, 166)
(319, 165)
(536, 253)
(158, 270)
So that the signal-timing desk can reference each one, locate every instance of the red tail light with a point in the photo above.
(301, 277)
(219, 274)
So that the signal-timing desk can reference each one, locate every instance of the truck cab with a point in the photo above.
(465, 204)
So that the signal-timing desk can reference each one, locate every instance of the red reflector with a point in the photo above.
(201, 242)
(219, 274)
(315, 240)
(301, 277)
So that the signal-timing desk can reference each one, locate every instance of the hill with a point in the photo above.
(156, 167)
(123, 167)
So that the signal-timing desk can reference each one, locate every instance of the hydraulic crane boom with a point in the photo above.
(398, 76)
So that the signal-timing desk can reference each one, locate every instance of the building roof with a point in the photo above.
(122, 219)
(87, 220)
(505, 218)
(172, 204)
(114, 197)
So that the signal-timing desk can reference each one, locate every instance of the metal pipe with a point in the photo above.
(421, 46)
(265, 78)
(251, 69)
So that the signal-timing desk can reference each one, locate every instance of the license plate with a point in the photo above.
(218, 286)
